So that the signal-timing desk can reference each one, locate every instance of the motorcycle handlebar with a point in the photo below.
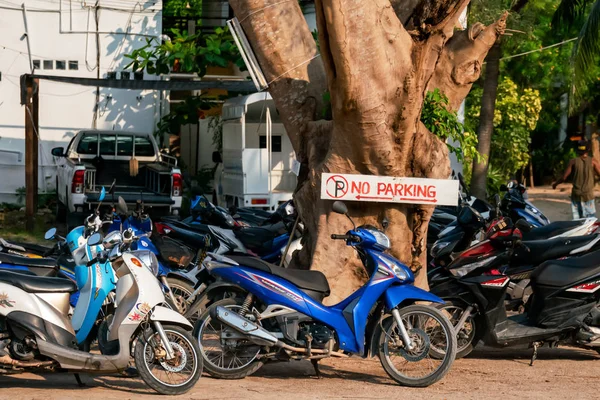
(351, 238)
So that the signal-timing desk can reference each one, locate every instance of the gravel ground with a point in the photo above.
(563, 373)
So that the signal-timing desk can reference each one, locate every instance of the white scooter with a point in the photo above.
(35, 332)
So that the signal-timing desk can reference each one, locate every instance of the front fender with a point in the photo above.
(166, 315)
(398, 294)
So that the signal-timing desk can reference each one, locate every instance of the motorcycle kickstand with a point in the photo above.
(536, 346)
(79, 381)
(315, 364)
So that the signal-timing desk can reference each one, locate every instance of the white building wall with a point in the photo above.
(61, 30)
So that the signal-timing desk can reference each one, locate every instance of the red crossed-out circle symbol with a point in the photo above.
(336, 186)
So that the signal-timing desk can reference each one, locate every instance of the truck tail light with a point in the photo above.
(259, 201)
(77, 183)
(177, 184)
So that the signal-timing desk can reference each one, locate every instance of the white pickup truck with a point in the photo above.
(96, 158)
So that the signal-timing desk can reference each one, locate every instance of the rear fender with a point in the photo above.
(220, 287)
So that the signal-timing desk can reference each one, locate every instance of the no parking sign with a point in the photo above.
(388, 189)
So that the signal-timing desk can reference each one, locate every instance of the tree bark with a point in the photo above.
(486, 122)
(377, 62)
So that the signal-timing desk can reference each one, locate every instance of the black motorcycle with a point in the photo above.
(562, 309)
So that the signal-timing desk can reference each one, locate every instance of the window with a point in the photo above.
(48, 64)
(125, 75)
(143, 146)
(74, 65)
(88, 144)
(111, 75)
(107, 145)
(138, 76)
(37, 64)
(275, 143)
(61, 64)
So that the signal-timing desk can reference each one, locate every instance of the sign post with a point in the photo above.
(387, 189)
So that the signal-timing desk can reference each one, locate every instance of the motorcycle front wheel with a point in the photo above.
(169, 377)
(430, 333)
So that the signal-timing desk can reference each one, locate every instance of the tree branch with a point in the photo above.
(283, 46)
(462, 58)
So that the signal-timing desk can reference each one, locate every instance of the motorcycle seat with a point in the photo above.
(14, 259)
(570, 271)
(550, 230)
(544, 250)
(38, 284)
(308, 281)
(257, 238)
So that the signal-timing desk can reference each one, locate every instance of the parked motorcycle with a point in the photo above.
(268, 241)
(563, 306)
(36, 331)
(282, 317)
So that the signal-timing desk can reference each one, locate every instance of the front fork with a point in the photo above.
(165, 341)
(403, 332)
(165, 282)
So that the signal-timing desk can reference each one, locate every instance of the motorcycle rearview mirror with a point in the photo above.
(523, 225)
(95, 239)
(50, 234)
(339, 207)
(121, 206)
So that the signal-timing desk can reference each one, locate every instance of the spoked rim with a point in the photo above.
(465, 336)
(428, 335)
(217, 352)
(181, 296)
(176, 372)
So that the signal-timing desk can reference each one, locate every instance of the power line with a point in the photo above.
(538, 50)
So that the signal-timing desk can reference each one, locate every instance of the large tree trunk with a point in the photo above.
(486, 122)
(377, 64)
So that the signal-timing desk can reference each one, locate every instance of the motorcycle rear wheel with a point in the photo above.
(162, 374)
(220, 361)
(471, 332)
(424, 325)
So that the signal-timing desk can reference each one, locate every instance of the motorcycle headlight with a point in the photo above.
(400, 273)
(149, 259)
(462, 271)
(382, 240)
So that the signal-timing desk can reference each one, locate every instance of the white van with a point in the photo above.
(258, 161)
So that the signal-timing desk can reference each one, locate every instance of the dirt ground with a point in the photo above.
(563, 373)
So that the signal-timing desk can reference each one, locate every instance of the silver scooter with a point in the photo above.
(35, 332)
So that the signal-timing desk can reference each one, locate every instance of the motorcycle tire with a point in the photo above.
(182, 291)
(214, 370)
(192, 352)
(423, 340)
(465, 345)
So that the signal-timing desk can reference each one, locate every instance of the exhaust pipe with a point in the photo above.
(255, 333)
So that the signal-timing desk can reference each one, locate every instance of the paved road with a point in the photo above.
(562, 373)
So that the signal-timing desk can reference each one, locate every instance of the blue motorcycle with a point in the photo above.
(282, 317)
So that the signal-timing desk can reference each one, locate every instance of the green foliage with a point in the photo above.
(515, 117)
(444, 124)
(182, 8)
(215, 124)
(186, 112)
(186, 53)
(551, 161)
